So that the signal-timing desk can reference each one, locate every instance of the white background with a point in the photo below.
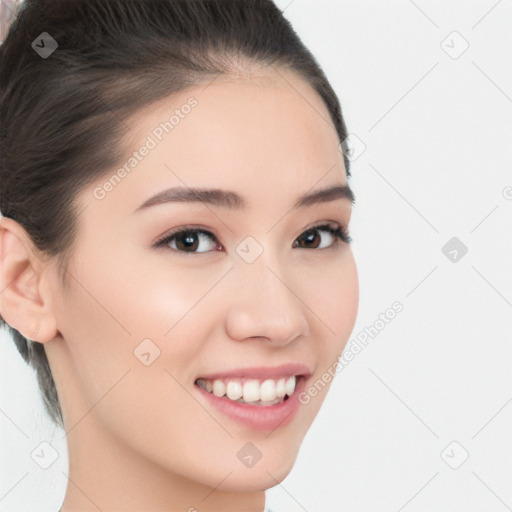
(437, 164)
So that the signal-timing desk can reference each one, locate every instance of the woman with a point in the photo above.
(175, 257)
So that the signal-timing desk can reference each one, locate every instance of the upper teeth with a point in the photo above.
(250, 390)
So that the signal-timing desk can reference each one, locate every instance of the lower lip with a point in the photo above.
(258, 417)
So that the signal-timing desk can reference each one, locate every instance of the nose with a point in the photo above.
(265, 303)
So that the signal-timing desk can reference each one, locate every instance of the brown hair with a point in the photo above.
(62, 115)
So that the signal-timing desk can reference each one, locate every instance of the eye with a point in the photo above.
(188, 240)
(336, 232)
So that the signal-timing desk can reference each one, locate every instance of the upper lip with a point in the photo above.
(262, 372)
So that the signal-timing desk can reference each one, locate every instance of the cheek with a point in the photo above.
(119, 306)
(332, 297)
(348, 297)
(331, 292)
(104, 319)
(138, 297)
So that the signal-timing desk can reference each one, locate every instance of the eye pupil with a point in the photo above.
(311, 235)
(188, 237)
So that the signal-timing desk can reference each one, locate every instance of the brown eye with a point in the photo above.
(188, 241)
(312, 240)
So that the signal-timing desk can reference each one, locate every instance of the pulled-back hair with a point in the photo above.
(62, 116)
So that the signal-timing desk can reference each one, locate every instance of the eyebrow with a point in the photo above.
(232, 200)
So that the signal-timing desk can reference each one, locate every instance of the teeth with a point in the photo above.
(290, 385)
(251, 391)
(280, 389)
(267, 392)
(234, 390)
(219, 388)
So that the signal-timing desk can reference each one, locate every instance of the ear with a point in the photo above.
(24, 296)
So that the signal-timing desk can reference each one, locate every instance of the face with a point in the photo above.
(251, 291)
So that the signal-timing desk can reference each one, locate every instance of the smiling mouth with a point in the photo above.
(263, 392)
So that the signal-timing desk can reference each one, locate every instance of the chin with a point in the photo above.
(254, 480)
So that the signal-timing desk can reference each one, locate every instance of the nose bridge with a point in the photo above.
(264, 302)
(260, 276)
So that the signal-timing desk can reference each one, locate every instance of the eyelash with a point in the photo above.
(338, 231)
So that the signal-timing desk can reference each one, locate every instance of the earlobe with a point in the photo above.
(22, 303)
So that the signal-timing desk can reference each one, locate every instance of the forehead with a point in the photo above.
(267, 135)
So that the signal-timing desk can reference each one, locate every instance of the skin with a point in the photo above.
(137, 440)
